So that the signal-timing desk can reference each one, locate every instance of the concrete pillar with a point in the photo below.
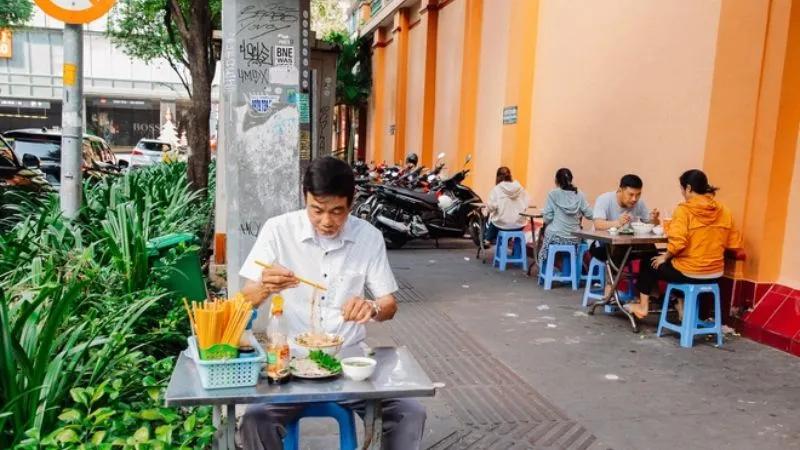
(265, 81)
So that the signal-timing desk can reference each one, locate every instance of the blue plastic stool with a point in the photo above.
(597, 274)
(582, 249)
(347, 425)
(691, 325)
(569, 266)
(519, 254)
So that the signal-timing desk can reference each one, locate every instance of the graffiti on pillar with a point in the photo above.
(305, 145)
(255, 53)
(258, 20)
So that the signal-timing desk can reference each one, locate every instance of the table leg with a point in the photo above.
(373, 425)
(230, 427)
(216, 420)
(535, 247)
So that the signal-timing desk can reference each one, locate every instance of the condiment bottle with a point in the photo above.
(277, 344)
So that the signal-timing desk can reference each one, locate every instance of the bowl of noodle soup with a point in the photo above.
(328, 343)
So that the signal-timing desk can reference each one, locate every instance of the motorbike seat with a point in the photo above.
(427, 198)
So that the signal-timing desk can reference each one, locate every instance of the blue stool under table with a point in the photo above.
(569, 266)
(519, 254)
(597, 274)
(691, 325)
(347, 425)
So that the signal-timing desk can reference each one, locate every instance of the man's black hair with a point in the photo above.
(631, 181)
(329, 177)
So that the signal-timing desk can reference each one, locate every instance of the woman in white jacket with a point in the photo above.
(506, 201)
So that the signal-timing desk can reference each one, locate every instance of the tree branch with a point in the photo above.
(171, 35)
(175, 8)
(177, 70)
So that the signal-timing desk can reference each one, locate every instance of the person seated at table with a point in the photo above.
(616, 209)
(324, 243)
(506, 201)
(699, 233)
(564, 209)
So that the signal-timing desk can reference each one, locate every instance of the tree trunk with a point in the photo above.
(200, 114)
(362, 132)
(348, 138)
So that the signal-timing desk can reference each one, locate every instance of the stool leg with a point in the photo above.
(663, 319)
(548, 277)
(718, 316)
(689, 322)
(523, 254)
(576, 272)
(292, 439)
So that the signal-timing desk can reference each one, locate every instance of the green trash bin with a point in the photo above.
(182, 276)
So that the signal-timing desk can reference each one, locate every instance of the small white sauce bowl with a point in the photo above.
(358, 372)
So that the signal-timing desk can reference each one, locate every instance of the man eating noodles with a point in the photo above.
(347, 255)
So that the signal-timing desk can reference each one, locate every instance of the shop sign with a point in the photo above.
(8, 103)
(6, 47)
(120, 102)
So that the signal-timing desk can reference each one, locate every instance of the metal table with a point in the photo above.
(397, 375)
(532, 216)
(628, 242)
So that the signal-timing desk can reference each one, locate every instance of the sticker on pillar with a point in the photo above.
(286, 75)
(303, 108)
(261, 103)
(284, 55)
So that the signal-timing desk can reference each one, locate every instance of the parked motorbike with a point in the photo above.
(404, 214)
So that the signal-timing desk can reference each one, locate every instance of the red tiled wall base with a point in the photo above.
(765, 312)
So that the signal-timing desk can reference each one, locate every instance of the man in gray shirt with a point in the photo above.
(617, 209)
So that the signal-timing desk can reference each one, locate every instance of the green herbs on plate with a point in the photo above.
(325, 361)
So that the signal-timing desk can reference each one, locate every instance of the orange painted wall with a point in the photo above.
(389, 101)
(491, 96)
(448, 81)
(416, 79)
(790, 266)
(619, 89)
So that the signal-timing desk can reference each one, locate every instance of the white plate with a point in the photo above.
(308, 376)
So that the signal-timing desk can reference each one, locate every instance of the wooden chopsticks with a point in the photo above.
(302, 280)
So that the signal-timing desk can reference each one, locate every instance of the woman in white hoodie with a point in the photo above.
(506, 201)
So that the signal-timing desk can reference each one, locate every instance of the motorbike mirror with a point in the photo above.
(31, 161)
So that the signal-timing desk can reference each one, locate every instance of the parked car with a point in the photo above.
(41, 149)
(13, 173)
(152, 151)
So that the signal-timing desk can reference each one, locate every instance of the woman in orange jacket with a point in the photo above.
(700, 232)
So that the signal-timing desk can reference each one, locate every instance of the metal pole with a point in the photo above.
(72, 121)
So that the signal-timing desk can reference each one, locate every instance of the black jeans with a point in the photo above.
(649, 277)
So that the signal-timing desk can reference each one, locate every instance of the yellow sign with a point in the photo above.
(6, 49)
(75, 11)
(70, 74)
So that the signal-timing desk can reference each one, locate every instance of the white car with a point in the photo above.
(150, 151)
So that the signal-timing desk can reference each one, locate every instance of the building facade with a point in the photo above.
(124, 99)
(607, 88)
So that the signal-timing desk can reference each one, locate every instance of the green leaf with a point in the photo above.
(142, 434)
(67, 435)
(190, 423)
(70, 415)
(154, 393)
(164, 433)
(169, 415)
(79, 396)
(98, 437)
(151, 414)
(149, 381)
(101, 415)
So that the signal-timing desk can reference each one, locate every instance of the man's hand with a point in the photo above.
(624, 220)
(277, 279)
(655, 214)
(357, 310)
(657, 261)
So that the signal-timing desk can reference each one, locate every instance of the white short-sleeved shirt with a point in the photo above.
(346, 265)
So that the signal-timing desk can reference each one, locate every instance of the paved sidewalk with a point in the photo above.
(528, 369)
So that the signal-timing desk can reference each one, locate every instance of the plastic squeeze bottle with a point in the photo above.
(277, 344)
